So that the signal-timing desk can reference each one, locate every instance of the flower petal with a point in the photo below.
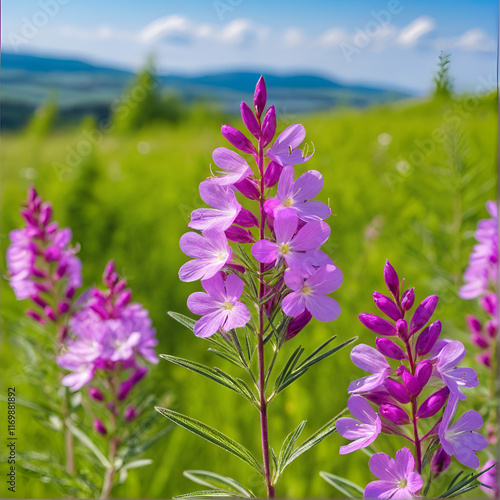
(322, 307)
(210, 324)
(311, 236)
(380, 489)
(293, 304)
(369, 359)
(405, 463)
(384, 467)
(234, 287)
(201, 303)
(312, 210)
(362, 410)
(237, 317)
(308, 185)
(470, 421)
(285, 225)
(265, 251)
(285, 184)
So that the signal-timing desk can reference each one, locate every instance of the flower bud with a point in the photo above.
(272, 174)
(248, 188)
(39, 301)
(120, 285)
(394, 414)
(492, 327)
(407, 299)
(489, 303)
(391, 279)
(237, 139)
(260, 97)
(440, 461)
(473, 323)
(297, 324)
(246, 218)
(423, 313)
(479, 340)
(423, 371)
(411, 383)
(63, 307)
(485, 359)
(377, 325)
(100, 427)
(130, 413)
(51, 228)
(427, 338)
(49, 312)
(34, 315)
(400, 370)
(96, 394)
(32, 194)
(52, 253)
(397, 391)
(389, 348)
(268, 126)
(123, 299)
(387, 306)
(239, 235)
(249, 120)
(402, 329)
(45, 213)
(109, 276)
(433, 403)
(379, 397)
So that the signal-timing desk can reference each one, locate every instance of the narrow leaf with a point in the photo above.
(84, 439)
(228, 357)
(213, 480)
(183, 320)
(207, 494)
(212, 435)
(346, 487)
(319, 349)
(288, 445)
(292, 361)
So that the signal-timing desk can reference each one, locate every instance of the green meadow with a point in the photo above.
(406, 181)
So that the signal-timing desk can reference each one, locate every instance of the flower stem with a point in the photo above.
(262, 371)
(416, 439)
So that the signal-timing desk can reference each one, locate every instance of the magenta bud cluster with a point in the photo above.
(413, 376)
(41, 263)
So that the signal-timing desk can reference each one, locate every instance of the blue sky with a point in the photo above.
(392, 43)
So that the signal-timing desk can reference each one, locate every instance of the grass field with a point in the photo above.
(406, 182)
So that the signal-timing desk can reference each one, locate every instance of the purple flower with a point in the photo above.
(448, 358)
(224, 211)
(377, 324)
(292, 245)
(397, 476)
(423, 313)
(370, 360)
(284, 150)
(310, 293)
(362, 431)
(210, 251)
(220, 306)
(297, 195)
(460, 439)
(234, 167)
(483, 262)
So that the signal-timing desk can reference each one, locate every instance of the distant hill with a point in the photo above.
(27, 81)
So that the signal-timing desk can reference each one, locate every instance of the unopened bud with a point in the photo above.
(440, 461)
(268, 126)
(387, 306)
(397, 391)
(428, 338)
(100, 427)
(423, 371)
(248, 188)
(412, 384)
(394, 414)
(249, 120)
(237, 139)
(96, 394)
(402, 329)
(389, 348)
(260, 97)
(423, 313)
(377, 324)
(391, 279)
(407, 299)
(239, 235)
(433, 403)
(297, 324)
(130, 413)
(272, 174)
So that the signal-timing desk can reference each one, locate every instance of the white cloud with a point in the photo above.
(293, 37)
(476, 40)
(242, 32)
(333, 37)
(410, 34)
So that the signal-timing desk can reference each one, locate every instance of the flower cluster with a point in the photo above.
(111, 338)
(286, 234)
(481, 279)
(42, 266)
(413, 375)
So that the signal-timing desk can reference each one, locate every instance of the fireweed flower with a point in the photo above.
(414, 375)
(362, 431)
(210, 251)
(277, 285)
(397, 476)
(110, 334)
(489, 479)
(297, 195)
(41, 264)
(220, 306)
(310, 293)
(292, 245)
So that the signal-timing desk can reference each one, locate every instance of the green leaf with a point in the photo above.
(207, 494)
(287, 448)
(322, 433)
(183, 320)
(84, 439)
(215, 374)
(132, 465)
(213, 480)
(466, 484)
(346, 487)
(289, 365)
(294, 374)
(212, 435)
(228, 357)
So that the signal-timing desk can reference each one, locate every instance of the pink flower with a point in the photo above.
(285, 150)
(370, 360)
(310, 293)
(234, 167)
(362, 431)
(220, 306)
(297, 195)
(397, 477)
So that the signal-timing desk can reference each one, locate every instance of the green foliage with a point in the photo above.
(442, 82)
(42, 121)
